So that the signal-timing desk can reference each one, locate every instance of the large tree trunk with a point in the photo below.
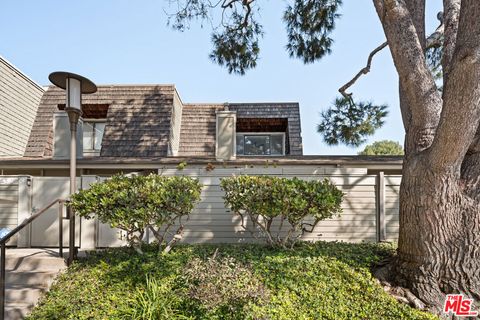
(438, 249)
(439, 243)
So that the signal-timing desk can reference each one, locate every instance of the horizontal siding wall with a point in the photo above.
(392, 206)
(19, 100)
(9, 202)
(211, 222)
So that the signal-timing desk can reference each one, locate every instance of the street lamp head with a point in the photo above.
(75, 85)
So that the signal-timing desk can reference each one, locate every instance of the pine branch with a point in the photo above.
(433, 41)
(363, 71)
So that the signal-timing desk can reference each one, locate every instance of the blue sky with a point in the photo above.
(129, 42)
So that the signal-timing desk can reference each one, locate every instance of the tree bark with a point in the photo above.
(421, 102)
(451, 12)
(439, 238)
(439, 235)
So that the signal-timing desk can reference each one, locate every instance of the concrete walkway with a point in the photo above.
(29, 273)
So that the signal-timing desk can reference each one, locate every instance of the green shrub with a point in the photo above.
(223, 285)
(294, 204)
(135, 203)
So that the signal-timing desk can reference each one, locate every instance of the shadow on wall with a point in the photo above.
(139, 126)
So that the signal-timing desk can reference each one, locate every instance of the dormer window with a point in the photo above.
(92, 136)
(261, 144)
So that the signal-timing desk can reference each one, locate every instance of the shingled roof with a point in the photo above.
(275, 110)
(197, 137)
(138, 120)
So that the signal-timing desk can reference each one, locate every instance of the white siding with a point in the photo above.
(19, 100)
(8, 202)
(175, 125)
(392, 206)
(44, 229)
(212, 222)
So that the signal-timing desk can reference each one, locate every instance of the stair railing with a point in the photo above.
(8, 236)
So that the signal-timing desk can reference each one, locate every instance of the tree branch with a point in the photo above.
(363, 71)
(461, 109)
(451, 9)
(421, 95)
(246, 4)
(435, 40)
(417, 13)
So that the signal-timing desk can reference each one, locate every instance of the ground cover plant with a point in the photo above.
(314, 281)
(135, 203)
(281, 210)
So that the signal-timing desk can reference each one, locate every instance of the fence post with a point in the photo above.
(381, 223)
(71, 236)
(2, 282)
(60, 228)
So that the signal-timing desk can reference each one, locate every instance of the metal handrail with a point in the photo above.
(22, 225)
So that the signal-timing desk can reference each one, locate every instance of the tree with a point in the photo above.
(438, 247)
(383, 148)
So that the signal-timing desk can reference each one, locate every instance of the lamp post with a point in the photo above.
(75, 86)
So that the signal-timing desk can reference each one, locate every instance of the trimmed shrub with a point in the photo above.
(135, 203)
(294, 204)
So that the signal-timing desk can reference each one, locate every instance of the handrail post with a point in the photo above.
(4, 240)
(2, 282)
(60, 229)
(71, 236)
(380, 220)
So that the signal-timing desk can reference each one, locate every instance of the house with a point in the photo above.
(146, 121)
(125, 122)
(19, 100)
(148, 128)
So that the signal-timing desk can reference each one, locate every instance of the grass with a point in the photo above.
(314, 281)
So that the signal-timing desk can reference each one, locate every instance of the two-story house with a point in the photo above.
(148, 128)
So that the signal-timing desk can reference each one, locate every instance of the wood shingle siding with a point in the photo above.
(197, 136)
(197, 133)
(151, 121)
(291, 111)
(19, 99)
(138, 120)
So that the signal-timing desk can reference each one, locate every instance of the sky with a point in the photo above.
(129, 42)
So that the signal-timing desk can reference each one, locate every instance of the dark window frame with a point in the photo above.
(260, 134)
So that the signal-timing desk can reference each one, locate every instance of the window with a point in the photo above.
(261, 144)
(92, 136)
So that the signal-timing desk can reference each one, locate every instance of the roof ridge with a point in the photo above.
(239, 103)
(18, 71)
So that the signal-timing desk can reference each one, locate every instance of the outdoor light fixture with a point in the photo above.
(75, 86)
